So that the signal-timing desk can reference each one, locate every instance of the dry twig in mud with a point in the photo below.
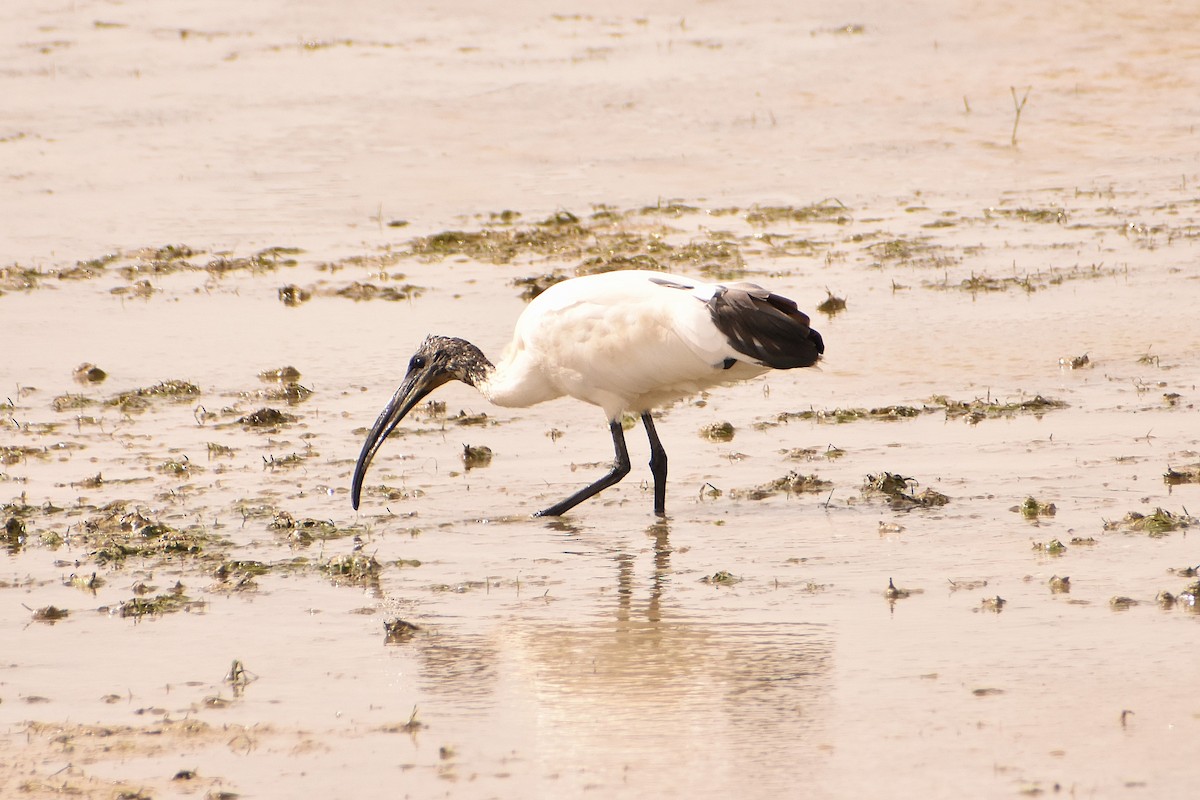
(1018, 106)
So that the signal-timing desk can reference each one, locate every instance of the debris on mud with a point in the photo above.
(910, 252)
(142, 289)
(14, 535)
(995, 604)
(305, 530)
(533, 285)
(217, 450)
(1189, 473)
(90, 482)
(560, 235)
(1033, 508)
(157, 606)
(1042, 215)
(1159, 523)
(288, 392)
(292, 295)
(894, 592)
(828, 210)
(1051, 548)
(89, 373)
(15, 454)
(831, 305)
(410, 727)
(1078, 362)
(358, 291)
(136, 400)
(844, 415)
(273, 462)
(979, 409)
(356, 569)
(791, 483)
(830, 452)
(288, 374)
(463, 418)
(967, 585)
(239, 575)
(175, 258)
(476, 456)
(117, 532)
(50, 614)
(239, 677)
(291, 393)
(888, 483)
(900, 491)
(399, 631)
(270, 258)
(84, 582)
(71, 402)
(266, 418)
(718, 432)
(15, 278)
(178, 467)
(1120, 603)
(1028, 282)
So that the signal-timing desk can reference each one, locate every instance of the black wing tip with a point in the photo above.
(767, 327)
(818, 342)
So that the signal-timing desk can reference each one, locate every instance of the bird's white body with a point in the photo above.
(623, 341)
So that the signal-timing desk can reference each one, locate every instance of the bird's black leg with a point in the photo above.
(658, 466)
(620, 470)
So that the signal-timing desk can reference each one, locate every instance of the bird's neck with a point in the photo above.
(517, 382)
(479, 372)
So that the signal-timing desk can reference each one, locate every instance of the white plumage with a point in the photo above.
(616, 340)
(624, 341)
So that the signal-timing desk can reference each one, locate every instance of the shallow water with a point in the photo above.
(596, 652)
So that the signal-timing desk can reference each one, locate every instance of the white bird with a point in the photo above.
(625, 341)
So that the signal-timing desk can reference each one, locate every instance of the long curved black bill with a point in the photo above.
(412, 391)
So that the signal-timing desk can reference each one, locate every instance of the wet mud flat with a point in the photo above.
(959, 558)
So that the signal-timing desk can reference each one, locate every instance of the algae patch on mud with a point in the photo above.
(1032, 508)
(901, 491)
(1189, 473)
(845, 415)
(121, 530)
(792, 483)
(980, 409)
(1158, 523)
(138, 400)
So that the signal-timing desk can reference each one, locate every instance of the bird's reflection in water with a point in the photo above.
(661, 533)
(725, 687)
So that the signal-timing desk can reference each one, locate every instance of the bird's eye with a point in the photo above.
(418, 362)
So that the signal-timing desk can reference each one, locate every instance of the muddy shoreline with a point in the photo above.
(959, 558)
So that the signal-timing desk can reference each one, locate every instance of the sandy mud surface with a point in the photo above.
(959, 560)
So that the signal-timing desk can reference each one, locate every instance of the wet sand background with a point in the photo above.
(556, 658)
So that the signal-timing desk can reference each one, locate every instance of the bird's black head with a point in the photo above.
(438, 360)
(448, 358)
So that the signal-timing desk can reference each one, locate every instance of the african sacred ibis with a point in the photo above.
(624, 341)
